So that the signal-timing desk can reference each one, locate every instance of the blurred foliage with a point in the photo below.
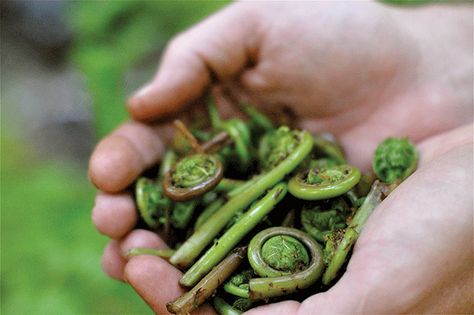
(50, 250)
(112, 36)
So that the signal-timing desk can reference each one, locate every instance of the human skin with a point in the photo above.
(363, 71)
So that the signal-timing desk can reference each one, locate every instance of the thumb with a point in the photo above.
(217, 48)
(343, 298)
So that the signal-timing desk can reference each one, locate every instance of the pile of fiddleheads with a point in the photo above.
(256, 213)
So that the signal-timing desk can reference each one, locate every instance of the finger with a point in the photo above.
(282, 308)
(438, 145)
(148, 275)
(141, 238)
(113, 263)
(156, 281)
(119, 158)
(114, 215)
(335, 301)
(220, 47)
(113, 260)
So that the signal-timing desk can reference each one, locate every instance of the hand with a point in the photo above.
(411, 256)
(363, 72)
(330, 91)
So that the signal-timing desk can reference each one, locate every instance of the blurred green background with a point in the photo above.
(66, 69)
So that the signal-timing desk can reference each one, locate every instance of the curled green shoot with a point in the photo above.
(317, 184)
(320, 223)
(234, 235)
(182, 213)
(394, 160)
(151, 202)
(202, 237)
(243, 304)
(276, 146)
(285, 253)
(238, 285)
(322, 163)
(193, 169)
(238, 132)
(192, 176)
(280, 275)
(240, 135)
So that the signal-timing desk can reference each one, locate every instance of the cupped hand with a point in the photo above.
(414, 255)
(360, 71)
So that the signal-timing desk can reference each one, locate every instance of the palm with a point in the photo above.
(312, 71)
(412, 236)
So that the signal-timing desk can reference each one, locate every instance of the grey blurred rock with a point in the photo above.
(40, 24)
(45, 105)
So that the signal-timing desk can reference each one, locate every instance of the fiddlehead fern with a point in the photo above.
(287, 259)
(194, 174)
(242, 304)
(151, 202)
(239, 133)
(285, 253)
(339, 247)
(320, 223)
(194, 169)
(233, 235)
(322, 163)
(238, 285)
(183, 213)
(284, 262)
(276, 146)
(317, 184)
(394, 160)
(208, 230)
